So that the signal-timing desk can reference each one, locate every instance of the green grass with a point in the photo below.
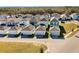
(20, 47)
(68, 27)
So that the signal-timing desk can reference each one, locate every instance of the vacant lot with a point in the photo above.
(21, 47)
(68, 27)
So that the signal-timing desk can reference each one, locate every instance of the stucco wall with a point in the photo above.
(12, 32)
(55, 33)
(2, 32)
(43, 22)
(27, 32)
(40, 32)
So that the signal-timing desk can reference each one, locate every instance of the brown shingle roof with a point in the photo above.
(14, 19)
(41, 28)
(35, 19)
(54, 19)
(2, 27)
(28, 28)
(54, 29)
(3, 20)
(43, 19)
(14, 28)
(27, 19)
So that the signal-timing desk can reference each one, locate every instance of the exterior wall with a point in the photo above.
(74, 16)
(12, 32)
(2, 32)
(34, 23)
(54, 23)
(25, 22)
(27, 32)
(0, 22)
(57, 33)
(12, 23)
(3, 22)
(40, 32)
(43, 22)
(68, 18)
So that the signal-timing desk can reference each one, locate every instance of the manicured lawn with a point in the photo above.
(68, 27)
(21, 47)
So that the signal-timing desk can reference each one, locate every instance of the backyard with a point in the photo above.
(21, 47)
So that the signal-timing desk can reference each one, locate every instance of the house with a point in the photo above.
(25, 22)
(3, 19)
(3, 22)
(43, 22)
(4, 16)
(37, 16)
(75, 16)
(14, 31)
(45, 15)
(54, 31)
(55, 15)
(27, 31)
(40, 31)
(13, 22)
(29, 15)
(65, 17)
(54, 22)
(34, 21)
(19, 16)
(3, 30)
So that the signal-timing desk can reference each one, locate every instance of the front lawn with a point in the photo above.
(21, 47)
(68, 27)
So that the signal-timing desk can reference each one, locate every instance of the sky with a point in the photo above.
(39, 3)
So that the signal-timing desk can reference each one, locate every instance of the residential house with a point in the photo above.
(4, 16)
(29, 15)
(55, 15)
(27, 31)
(43, 22)
(19, 16)
(14, 31)
(34, 21)
(25, 22)
(54, 22)
(65, 17)
(3, 22)
(3, 30)
(45, 15)
(40, 31)
(75, 16)
(13, 22)
(54, 31)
